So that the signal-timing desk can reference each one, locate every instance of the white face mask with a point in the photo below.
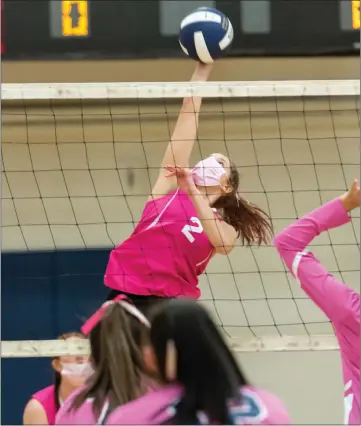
(77, 372)
(208, 172)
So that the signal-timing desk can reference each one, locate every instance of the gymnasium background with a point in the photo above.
(47, 292)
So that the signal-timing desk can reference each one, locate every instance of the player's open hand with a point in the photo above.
(184, 178)
(351, 198)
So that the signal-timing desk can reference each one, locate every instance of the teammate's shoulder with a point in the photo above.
(270, 408)
(155, 204)
(262, 394)
(34, 412)
(164, 197)
(154, 405)
(34, 406)
(45, 392)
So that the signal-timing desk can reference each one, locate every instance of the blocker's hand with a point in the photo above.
(184, 178)
(351, 198)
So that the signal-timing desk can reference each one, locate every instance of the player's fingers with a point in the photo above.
(355, 188)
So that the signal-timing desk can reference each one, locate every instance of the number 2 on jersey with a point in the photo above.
(189, 229)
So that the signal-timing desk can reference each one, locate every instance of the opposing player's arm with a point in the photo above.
(34, 414)
(184, 135)
(333, 297)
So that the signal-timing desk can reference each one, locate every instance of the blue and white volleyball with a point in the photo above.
(205, 34)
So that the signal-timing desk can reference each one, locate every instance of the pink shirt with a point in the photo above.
(258, 408)
(46, 397)
(166, 252)
(340, 303)
(82, 416)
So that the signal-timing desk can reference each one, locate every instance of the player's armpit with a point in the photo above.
(162, 187)
(34, 414)
(338, 301)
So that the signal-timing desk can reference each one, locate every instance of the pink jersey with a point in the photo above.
(340, 303)
(166, 252)
(46, 397)
(257, 408)
(82, 416)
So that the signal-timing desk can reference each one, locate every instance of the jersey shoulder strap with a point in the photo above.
(104, 414)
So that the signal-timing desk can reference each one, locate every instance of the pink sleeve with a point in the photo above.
(334, 298)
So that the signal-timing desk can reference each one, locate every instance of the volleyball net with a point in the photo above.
(79, 161)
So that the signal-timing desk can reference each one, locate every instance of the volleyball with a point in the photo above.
(205, 34)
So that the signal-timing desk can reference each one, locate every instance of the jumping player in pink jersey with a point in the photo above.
(200, 381)
(119, 375)
(70, 374)
(340, 303)
(191, 215)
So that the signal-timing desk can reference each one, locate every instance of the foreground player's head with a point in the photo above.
(218, 178)
(186, 348)
(71, 371)
(115, 337)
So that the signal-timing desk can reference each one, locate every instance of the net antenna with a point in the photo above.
(79, 161)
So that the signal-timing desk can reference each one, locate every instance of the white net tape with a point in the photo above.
(68, 150)
(51, 348)
(246, 89)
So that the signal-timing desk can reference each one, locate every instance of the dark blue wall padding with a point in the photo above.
(43, 295)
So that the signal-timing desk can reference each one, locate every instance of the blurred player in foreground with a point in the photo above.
(198, 380)
(191, 215)
(115, 332)
(70, 373)
(340, 303)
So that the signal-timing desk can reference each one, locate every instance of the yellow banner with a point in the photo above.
(356, 14)
(81, 28)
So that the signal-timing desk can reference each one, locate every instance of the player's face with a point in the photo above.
(226, 164)
(74, 369)
(212, 184)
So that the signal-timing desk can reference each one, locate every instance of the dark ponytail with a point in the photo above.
(252, 224)
(205, 367)
(57, 382)
(118, 362)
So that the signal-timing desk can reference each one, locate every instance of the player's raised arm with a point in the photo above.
(333, 297)
(184, 135)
